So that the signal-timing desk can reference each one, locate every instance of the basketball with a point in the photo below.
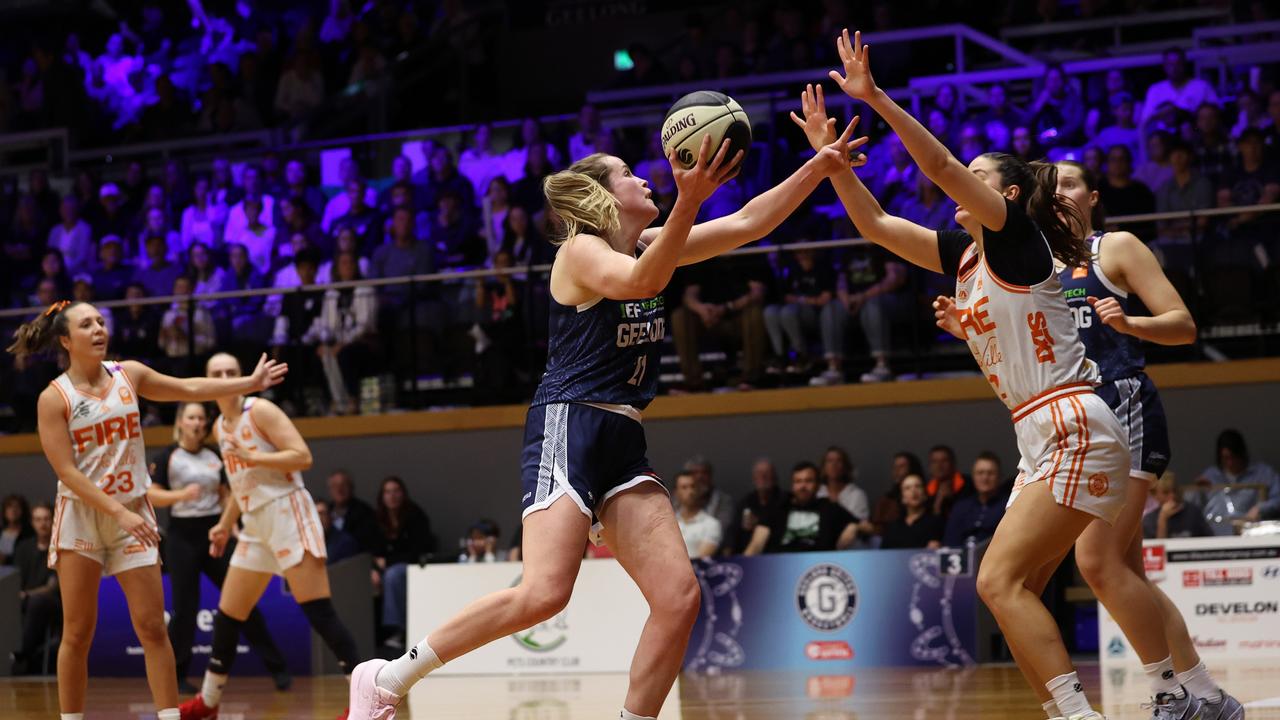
(700, 114)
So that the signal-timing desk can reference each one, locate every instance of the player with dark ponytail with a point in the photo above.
(91, 432)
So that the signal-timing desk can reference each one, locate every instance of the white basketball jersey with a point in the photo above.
(106, 436)
(251, 485)
(1023, 337)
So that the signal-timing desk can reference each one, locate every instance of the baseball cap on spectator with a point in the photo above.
(109, 189)
(108, 239)
(1121, 98)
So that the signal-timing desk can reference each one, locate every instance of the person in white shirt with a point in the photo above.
(701, 532)
(1187, 93)
(251, 179)
(205, 218)
(837, 483)
(583, 142)
(480, 163)
(73, 238)
(257, 236)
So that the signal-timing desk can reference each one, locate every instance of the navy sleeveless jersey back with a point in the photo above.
(1117, 355)
(604, 352)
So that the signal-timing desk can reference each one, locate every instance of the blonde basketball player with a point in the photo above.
(1010, 309)
(90, 429)
(585, 452)
(264, 457)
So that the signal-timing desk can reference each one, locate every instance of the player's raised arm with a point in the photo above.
(765, 212)
(589, 257)
(911, 242)
(155, 385)
(960, 184)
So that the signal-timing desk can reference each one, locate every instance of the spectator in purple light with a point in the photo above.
(940, 125)
(494, 209)
(406, 254)
(809, 304)
(531, 136)
(157, 272)
(1187, 190)
(1179, 87)
(1251, 182)
(112, 218)
(971, 142)
(47, 201)
(1212, 146)
(73, 237)
(947, 99)
(453, 234)
(257, 235)
(301, 88)
(204, 220)
(1101, 101)
(1057, 115)
(340, 204)
(137, 327)
(361, 216)
(174, 186)
(348, 326)
(346, 242)
(296, 187)
(527, 191)
(895, 177)
(1250, 112)
(1122, 130)
(206, 277)
(251, 180)
(284, 269)
(442, 173)
(1271, 135)
(1155, 171)
(1094, 159)
(181, 326)
(156, 224)
(999, 119)
(249, 325)
(401, 173)
(54, 269)
(295, 218)
(480, 163)
(927, 205)
(1023, 144)
(222, 189)
(112, 275)
(1122, 194)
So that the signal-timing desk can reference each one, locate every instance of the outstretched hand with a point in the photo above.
(268, 373)
(819, 129)
(841, 154)
(697, 183)
(856, 82)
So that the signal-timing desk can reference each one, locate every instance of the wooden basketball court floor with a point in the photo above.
(991, 692)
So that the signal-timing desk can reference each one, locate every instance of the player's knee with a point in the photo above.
(542, 601)
(681, 602)
(77, 636)
(151, 630)
(994, 585)
(1099, 569)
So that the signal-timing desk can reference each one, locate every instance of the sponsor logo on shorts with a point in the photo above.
(284, 553)
(828, 650)
(84, 545)
(134, 549)
(1099, 483)
(1217, 577)
(827, 597)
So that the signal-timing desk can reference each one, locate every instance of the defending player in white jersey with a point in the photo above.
(90, 429)
(1009, 307)
(264, 457)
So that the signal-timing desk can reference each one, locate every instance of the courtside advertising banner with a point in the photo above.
(822, 613)
(597, 632)
(116, 653)
(1227, 588)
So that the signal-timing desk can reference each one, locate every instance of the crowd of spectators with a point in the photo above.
(822, 507)
(817, 317)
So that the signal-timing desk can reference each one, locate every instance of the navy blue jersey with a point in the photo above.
(1117, 355)
(604, 352)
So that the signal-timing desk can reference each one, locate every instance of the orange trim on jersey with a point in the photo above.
(65, 400)
(127, 381)
(962, 277)
(1038, 401)
(248, 413)
(1021, 289)
(316, 536)
(59, 509)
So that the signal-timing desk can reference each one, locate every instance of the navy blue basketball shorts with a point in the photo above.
(583, 451)
(1136, 403)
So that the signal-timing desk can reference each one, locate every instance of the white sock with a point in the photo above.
(1069, 695)
(169, 714)
(1199, 683)
(72, 716)
(400, 674)
(211, 690)
(632, 716)
(1162, 678)
(1051, 709)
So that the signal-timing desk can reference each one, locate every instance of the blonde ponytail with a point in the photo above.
(580, 200)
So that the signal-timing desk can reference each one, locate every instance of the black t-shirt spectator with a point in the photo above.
(1132, 199)
(136, 336)
(728, 279)
(899, 534)
(359, 520)
(1017, 252)
(809, 283)
(738, 537)
(367, 225)
(411, 541)
(864, 266)
(816, 525)
(110, 284)
(32, 564)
